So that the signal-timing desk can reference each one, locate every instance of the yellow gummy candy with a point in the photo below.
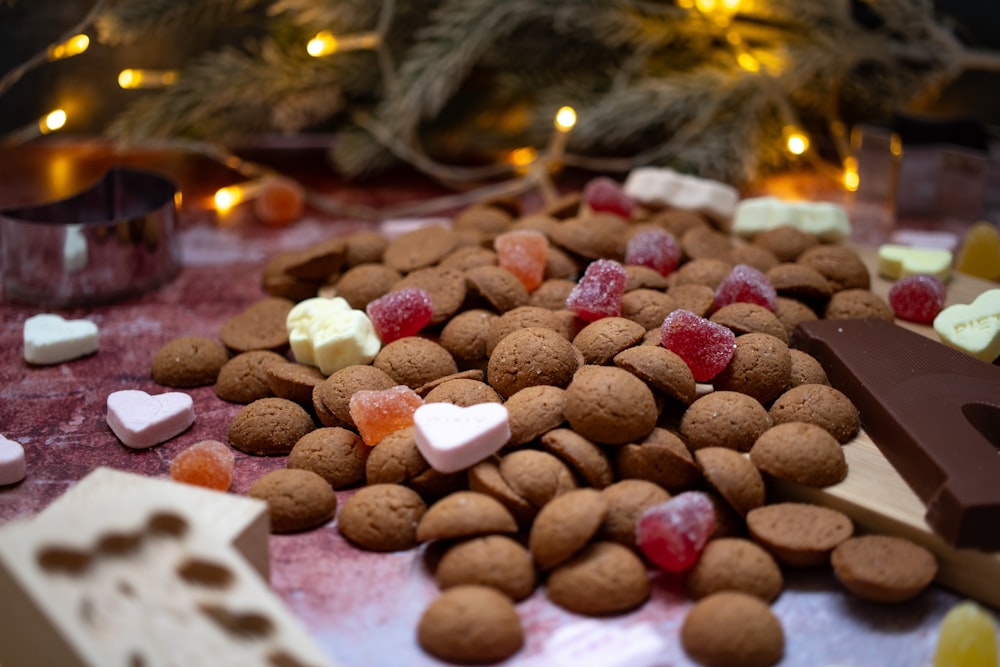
(967, 638)
(980, 252)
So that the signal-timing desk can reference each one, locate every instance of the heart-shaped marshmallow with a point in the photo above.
(50, 339)
(973, 328)
(12, 466)
(453, 438)
(898, 261)
(141, 421)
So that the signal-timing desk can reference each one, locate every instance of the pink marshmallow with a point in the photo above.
(453, 438)
(141, 421)
(12, 465)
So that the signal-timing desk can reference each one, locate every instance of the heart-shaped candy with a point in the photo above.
(453, 438)
(12, 466)
(50, 339)
(141, 421)
(973, 328)
(898, 261)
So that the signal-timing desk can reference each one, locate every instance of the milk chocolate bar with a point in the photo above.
(933, 411)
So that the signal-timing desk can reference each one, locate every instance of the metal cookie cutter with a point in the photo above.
(114, 240)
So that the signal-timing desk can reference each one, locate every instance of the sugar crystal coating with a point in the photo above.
(706, 347)
(917, 298)
(400, 313)
(673, 533)
(745, 284)
(605, 195)
(654, 248)
(208, 463)
(599, 292)
(524, 253)
(379, 412)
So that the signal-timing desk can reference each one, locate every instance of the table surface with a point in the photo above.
(362, 608)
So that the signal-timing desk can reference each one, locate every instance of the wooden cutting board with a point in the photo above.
(877, 498)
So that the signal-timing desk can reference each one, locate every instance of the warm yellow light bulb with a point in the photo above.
(747, 62)
(73, 46)
(52, 121)
(796, 141)
(324, 43)
(706, 6)
(565, 119)
(522, 157)
(228, 197)
(685, 4)
(730, 6)
(851, 180)
(146, 78)
(896, 144)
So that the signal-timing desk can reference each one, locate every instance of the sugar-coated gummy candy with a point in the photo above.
(208, 463)
(745, 284)
(673, 533)
(524, 253)
(379, 412)
(605, 195)
(280, 202)
(705, 346)
(967, 638)
(918, 298)
(653, 248)
(599, 292)
(400, 313)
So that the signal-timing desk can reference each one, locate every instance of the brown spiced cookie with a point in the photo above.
(382, 517)
(705, 242)
(294, 381)
(332, 397)
(296, 500)
(469, 257)
(521, 318)
(596, 236)
(465, 514)
(275, 282)
(364, 247)
(496, 561)
(699, 299)
(647, 307)
(706, 271)
(485, 477)
(821, 405)
(189, 361)
(734, 564)
(839, 264)
(362, 284)
(677, 220)
(756, 256)
(319, 261)
(732, 476)
(534, 411)
(850, 304)
(530, 357)
(559, 264)
(790, 312)
(627, 500)
(465, 335)
(638, 277)
(786, 242)
(609, 405)
(335, 454)
(565, 525)
(269, 427)
(661, 369)
(582, 456)
(462, 391)
(244, 378)
(806, 369)
(883, 568)
(396, 459)
(471, 625)
(801, 282)
(445, 286)
(798, 534)
(600, 341)
(501, 288)
(761, 367)
(801, 453)
(743, 318)
(260, 327)
(415, 361)
(732, 628)
(724, 419)
(536, 476)
(421, 247)
(552, 294)
(487, 220)
(661, 458)
(604, 578)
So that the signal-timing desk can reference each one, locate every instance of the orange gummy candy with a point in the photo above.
(980, 252)
(377, 413)
(524, 253)
(208, 463)
(280, 202)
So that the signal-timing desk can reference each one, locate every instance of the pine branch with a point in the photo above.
(128, 22)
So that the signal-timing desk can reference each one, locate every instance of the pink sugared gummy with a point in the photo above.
(379, 412)
(524, 253)
(745, 284)
(673, 533)
(655, 248)
(918, 297)
(605, 195)
(400, 313)
(599, 292)
(706, 347)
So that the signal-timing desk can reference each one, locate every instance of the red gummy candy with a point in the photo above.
(673, 533)
(379, 412)
(605, 195)
(401, 313)
(655, 248)
(918, 298)
(599, 292)
(706, 347)
(524, 253)
(208, 463)
(745, 284)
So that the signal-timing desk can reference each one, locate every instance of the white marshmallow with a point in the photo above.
(50, 339)
(662, 187)
(826, 220)
(12, 464)
(331, 335)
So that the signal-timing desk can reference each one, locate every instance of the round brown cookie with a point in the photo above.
(463, 392)
(538, 222)
(335, 454)
(661, 458)
(560, 264)
(707, 271)
(699, 299)
(806, 369)
(189, 361)
(724, 419)
(883, 568)
(296, 500)
(761, 367)
(471, 625)
(801, 453)
(705, 243)
(627, 500)
(468, 257)
(609, 405)
(595, 236)
(604, 578)
(743, 318)
(294, 381)
(530, 357)
(647, 307)
(534, 411)
(318, 261)
(522, 318)
(732, 628)
(787, 243)
(734, 564)
(501, 288)
(364, 247)
(485, 477)
(552, 294)
(565, 525)
(756, 256)
(396, 459)
(465, 335)
(382, 517)
(414, 361)
(728, 523)
(433, 485)
(496, 561)
(732, 476)
(839, 264)
(332, 397)
(421, 247)
(446, 288)
(488, 220)
(791, 312)
(643, 277)
(269, 427)
(850, 304)
(244, 377)
(661, 369)
(536, 476)
(362, 284)
(260, 327)
(677, 221)
(465, 514)
(821, 405)
(798, 534)
(582, 456)
(600, 341)
(801, 282)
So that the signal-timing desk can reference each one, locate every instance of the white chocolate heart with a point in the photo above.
(825, 220)
(453, 438)
(658, 186)
(141, 421)
(331, 335)
(50, 339)
(973, 328)
(12, 465)
(898, 261)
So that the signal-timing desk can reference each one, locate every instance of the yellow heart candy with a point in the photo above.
(973, 328)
